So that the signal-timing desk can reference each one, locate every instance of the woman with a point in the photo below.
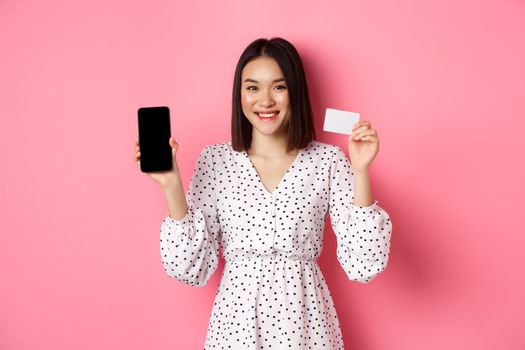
(263, 198)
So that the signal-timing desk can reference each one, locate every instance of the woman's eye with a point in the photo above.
(250, 87)
(281, 86)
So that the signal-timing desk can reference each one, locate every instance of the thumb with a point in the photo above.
(174, 145)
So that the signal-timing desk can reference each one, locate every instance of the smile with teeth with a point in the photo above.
(266, 116)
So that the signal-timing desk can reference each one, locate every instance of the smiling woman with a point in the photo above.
(264, 97)
(269, 77)
(262, 199)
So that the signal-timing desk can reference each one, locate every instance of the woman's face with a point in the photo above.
(264, 96)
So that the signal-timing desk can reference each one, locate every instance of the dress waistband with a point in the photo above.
(272, 256)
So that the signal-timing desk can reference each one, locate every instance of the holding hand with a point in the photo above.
(163, 178)
(363, 145)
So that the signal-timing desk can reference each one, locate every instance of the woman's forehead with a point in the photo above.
(262, 69)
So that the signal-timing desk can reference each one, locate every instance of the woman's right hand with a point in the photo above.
(164, 178)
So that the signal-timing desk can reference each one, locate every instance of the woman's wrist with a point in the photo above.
(172, 183)
(360, 172)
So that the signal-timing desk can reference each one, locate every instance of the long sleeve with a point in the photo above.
(190, 247)
(363, 233)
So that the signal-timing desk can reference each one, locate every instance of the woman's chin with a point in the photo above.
(269, 130)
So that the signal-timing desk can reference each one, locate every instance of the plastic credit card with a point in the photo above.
(336, 120)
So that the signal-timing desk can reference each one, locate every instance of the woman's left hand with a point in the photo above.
(363, 150)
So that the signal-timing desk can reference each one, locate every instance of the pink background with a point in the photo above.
(441, 81)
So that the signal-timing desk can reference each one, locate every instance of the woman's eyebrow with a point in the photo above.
(255, 81)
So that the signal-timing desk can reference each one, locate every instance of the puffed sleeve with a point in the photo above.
(363, 233)
(189, 247)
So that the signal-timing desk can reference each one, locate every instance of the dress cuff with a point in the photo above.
(193, 222)
(371, 209)
(182, 222)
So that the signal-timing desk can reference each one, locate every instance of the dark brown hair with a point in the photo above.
(300, 128)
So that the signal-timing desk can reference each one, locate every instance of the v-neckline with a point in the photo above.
(278, 187)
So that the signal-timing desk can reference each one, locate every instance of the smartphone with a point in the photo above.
(154, 136)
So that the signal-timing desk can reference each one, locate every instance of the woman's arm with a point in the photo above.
(190, 234)
(363, 229)
(362, 191)
(176, 200)
(363, 145)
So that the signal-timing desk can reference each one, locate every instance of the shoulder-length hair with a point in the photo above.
(300, 128)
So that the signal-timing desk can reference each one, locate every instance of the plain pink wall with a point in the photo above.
(441, 81)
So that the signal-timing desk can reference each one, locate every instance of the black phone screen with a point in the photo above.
(154, 135)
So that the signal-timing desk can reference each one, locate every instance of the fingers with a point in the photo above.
(136, 154)
(361, 123)
(368, 138)
(174, 145)
(137, 145)
(363, 134)
(360, 126)
(362, 130)
(360, 133)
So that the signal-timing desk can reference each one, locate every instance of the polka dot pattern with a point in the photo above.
(272, 293)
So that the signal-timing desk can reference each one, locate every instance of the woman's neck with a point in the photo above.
(269, 146)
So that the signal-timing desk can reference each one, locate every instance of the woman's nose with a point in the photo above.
(266, 98)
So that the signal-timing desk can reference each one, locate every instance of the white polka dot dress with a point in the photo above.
(272, 294)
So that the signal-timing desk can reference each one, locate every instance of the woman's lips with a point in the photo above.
(267, 116)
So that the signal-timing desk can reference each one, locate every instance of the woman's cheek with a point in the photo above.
(247, 99)
(247, 105)
(282, 100)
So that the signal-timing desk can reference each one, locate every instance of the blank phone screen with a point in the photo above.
(154, 135)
